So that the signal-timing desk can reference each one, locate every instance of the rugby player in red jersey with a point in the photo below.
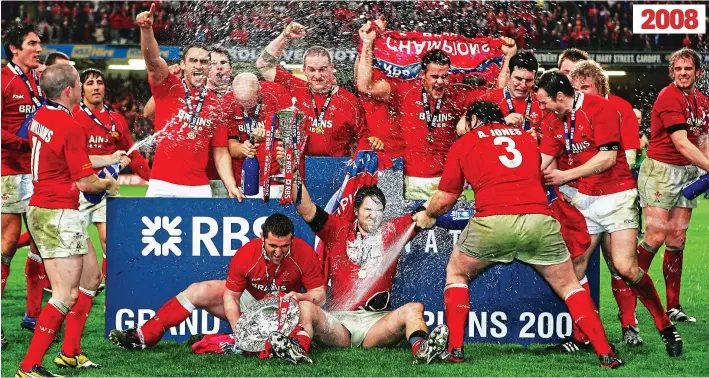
(336, 125)
(588, 77)
(678, 148)
(360, 263)
(512, 221)
(586, 134)
(277, 261)
(108, 137)
(21, 96)
(188, 122)
(61, 169)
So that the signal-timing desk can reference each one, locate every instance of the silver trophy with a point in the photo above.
(259, 320)
(284, 133)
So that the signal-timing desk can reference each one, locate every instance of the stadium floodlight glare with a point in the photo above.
(614, 73)
(133, 65)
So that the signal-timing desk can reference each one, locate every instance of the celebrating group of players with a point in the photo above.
(563, 129)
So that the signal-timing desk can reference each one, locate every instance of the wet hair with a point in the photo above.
(485, 112)
(435, 56)
(51, 59)
(87, 73)
(573, 54)
(223, 51)
(185, 49)
(525, 60)
(685, 53)
(369, 191)
(56, 78)
(277, 224)
(475, 81)
(591, 70)
(554, 82)
(317, 51)
(15, 35)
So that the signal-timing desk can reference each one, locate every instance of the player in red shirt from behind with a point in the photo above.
(277, 261)
(678, 149)
(512, 221)
(360, 262)
(60, 170)
(586, 134)
(336, 125)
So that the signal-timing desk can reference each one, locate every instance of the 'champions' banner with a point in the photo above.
(398, 54)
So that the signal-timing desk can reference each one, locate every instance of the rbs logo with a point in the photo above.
(203, 231)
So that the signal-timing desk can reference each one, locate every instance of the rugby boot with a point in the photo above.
(610, 361)
(677, 315)
(36, 371)
(435, 346)
(28, 323)
(672, 340)
(456, 355)
(80, 361)
(127, 339)
(288, 349)
(631, 336)
(570, 345)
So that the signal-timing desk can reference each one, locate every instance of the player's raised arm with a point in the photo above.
(154, 63)
(509, 48)
(268, 60)
(306, 208)
(379, 90)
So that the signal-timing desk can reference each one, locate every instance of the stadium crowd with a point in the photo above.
(562, 138)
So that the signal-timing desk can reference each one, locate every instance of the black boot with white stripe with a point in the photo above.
(570, 345)
(672, 340)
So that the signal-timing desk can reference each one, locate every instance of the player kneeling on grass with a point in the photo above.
(360, 261)
(512, 221)
(60, 170)
(276, 262)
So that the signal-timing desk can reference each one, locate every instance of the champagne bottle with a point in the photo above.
(250, 175)
(113, 170)
(696, 187)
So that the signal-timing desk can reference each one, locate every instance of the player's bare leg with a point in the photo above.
(71, 354)
(583, 311)
(65, 276)
(207, 295)
(624, 297)
(461, 269)
(626, 262)
(101, 227)
(322, 327)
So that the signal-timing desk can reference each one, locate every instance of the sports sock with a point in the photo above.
(36, 280)
(456, 301)
(626, 301)
(24, 240)
(5, 265)
(48, 324)
(645, 255)
(172, 313)
(302, 338)
(644, 289)
(672, 270)
(577, 334)
(76, 322)
(584, 313)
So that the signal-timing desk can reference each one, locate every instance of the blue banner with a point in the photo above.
(106, 51)
(162, 245)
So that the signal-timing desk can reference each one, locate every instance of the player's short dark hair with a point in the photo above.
(553, 82)
(524, 59)
(573, 54)
(435, 56)
(57, 78)
(369, 191)
(685, 53)
(475, 81)
(223, 51)
(87, 73)
(186, 48)
(15, 35)
(485, 112)
(277, 224)
(317, 51)
(51, 59)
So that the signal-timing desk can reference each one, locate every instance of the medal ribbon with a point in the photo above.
(58, 106)
(430, 120)
(200, 103)
(271, 286)
(320, 115)
(37, 99)
(527, 110)
(97, 121)
(689, 105)
(569, 131)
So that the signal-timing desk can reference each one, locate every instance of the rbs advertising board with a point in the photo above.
(162, 245)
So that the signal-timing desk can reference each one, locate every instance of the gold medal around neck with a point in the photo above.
(429, 137)
(571, 160)
(319, 130)
(192, 135)
(115, 134)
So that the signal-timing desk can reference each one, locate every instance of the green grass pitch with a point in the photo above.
(172, 359)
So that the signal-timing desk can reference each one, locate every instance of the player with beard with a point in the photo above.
(587, 135)
(190, 120)
(61, 168)
(588, 77)
(678, 147)
(277, 261)
(21, 96)
(108, 137)
(336, 125)
(500, 162)
(361, 275)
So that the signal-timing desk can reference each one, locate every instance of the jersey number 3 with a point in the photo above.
(509, 147)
